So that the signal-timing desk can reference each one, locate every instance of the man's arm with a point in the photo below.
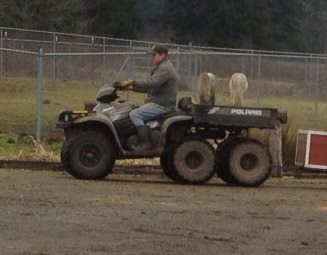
(157, 79)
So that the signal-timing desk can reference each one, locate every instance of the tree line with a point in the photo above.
(292, 25)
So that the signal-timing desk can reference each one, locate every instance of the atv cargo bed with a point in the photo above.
(244, 117)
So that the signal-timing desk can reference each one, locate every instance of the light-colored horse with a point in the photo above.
(206, 88)
(238, 85)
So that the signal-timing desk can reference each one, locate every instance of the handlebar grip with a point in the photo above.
(117, 85)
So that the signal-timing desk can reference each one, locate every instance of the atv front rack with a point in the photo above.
(67, 117)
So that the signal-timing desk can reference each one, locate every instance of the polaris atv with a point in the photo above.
(193, 141)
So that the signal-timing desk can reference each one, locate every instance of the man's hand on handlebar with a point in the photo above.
(127, 84)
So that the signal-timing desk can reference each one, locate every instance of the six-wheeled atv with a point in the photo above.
(193, 141)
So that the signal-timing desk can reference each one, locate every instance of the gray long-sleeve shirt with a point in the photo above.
(161, 86)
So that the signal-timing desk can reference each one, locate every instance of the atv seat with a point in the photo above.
(184, 106)
(173, 113)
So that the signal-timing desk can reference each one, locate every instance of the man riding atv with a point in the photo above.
(162, 93)
(183, 139)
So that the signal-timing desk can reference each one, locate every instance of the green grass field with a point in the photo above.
(18, 111)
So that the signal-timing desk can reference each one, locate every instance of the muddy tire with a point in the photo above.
(194, 161)
(88, 155)
(64, 157)
(166, 163)
(249, 163)
(223, 172)
(222, 167)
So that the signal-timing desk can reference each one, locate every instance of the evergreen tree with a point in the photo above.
(316, 27)
(55, 15)
(294, 25)
(270, 24)
(115, 18)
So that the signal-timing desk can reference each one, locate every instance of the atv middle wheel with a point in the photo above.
(249, 163)
(222, 166)
(88, 155)
(194, 161)
(166, 163)
(223, 172)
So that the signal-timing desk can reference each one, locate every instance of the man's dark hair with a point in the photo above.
(160, 49)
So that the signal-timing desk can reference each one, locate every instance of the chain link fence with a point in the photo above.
(43, 73)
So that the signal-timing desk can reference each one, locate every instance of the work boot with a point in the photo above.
(144, 139)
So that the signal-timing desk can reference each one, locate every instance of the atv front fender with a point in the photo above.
(92, 121)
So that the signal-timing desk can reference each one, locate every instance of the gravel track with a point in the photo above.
(52, 213)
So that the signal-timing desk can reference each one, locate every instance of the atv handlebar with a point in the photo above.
(117, 85)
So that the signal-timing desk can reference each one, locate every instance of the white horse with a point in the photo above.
(238, 84)
(206, 88)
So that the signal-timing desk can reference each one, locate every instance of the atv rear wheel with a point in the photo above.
(249, 163)
(194, 161)
(88, 155)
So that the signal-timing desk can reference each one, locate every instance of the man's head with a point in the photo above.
(158, 54)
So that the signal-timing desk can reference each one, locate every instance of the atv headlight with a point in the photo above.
(67, 117)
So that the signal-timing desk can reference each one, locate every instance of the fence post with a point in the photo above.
(92, 62)
(131, 60)
(178, 59)
(311, 75)
(258, 80)
(201, 61)
(149, 61)
(70, 63)
(317, 90)
(39, 94)
(252, 63)
(14, 58)
(190, 67)
(1, 52)
(196, 67)
(104, 59)
(305, 70)
(276, 150)
(54, 49)
(243, 64)
(130, 65)
(5, 56)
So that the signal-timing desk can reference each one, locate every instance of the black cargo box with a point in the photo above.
(229, 116)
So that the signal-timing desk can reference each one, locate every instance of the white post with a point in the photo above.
(276, 150)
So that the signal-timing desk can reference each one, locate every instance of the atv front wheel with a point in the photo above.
(64, 156)
(88, 155)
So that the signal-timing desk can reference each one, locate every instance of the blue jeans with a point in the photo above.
(147, 112)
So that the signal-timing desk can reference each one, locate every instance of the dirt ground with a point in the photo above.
(52, 213)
